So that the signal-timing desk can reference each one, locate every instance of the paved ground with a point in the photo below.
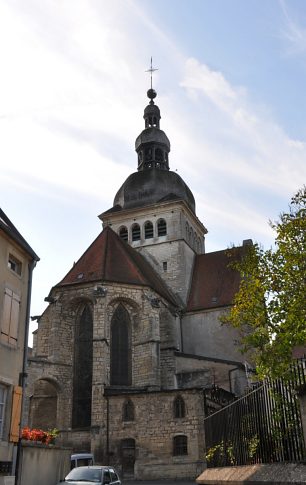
(158, 482)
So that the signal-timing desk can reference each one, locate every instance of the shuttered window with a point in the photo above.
(123, 233)
(135, 232)
(10, 317)
(161, 227)
(16, 414)
(148, 230)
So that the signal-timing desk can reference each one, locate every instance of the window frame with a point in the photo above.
(2, 408)
(126, 233)
(148, 227)
(161, 227)
(134, 227)
(14, 264)
(179, 408)
(180, 445)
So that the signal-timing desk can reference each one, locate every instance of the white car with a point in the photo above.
(87, 475)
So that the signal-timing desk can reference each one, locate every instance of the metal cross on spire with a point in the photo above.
(151, 70)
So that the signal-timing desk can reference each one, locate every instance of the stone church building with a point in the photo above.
(130, 354)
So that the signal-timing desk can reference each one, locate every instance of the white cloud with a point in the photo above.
(72, 94)
(293, 31)
(259, 152)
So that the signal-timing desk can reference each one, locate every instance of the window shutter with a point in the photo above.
(14, 319)
(16, 414)
(6, 315)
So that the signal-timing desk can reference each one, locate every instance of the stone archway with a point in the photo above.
(43, 405)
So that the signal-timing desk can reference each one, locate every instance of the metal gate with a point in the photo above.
(264, 426)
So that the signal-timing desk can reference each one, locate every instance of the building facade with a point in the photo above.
(17, 261)
(132, 339)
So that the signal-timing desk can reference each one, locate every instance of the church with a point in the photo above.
(130, 354)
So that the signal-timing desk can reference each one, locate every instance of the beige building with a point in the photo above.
(130, 354)
(17, 261)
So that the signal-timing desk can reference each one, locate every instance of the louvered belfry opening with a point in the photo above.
(82, 378)
(121, 372)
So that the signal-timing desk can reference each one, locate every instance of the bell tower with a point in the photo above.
(152, 145)
(154, 209)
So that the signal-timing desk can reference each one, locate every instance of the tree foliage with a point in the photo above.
(270, 306)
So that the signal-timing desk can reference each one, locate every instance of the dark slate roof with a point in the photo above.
(109, 258)
(148, 187)
(214, 283)
(8, 227)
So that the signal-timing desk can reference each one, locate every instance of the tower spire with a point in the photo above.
(152, 145)
(151, 70)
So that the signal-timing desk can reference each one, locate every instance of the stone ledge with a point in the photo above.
(260, 474)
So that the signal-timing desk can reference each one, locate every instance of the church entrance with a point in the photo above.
(128, 457)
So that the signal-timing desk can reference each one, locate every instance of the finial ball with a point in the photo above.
(151, 93)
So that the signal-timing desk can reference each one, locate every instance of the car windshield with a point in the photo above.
(85, 474)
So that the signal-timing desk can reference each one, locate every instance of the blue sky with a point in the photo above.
(231, 89)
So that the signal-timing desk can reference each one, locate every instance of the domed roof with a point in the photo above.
(151, 186)
(151, 109)
(152, 135)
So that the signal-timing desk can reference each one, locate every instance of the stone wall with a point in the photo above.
(204, 334)
(153, 430)
(52, 360)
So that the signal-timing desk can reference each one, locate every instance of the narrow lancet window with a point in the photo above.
(82, 376)
(121, 372)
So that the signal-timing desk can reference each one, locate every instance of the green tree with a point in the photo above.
(270, 306)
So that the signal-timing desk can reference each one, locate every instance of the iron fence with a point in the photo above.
(263, 426)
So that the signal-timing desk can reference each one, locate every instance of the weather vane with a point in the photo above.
(151, 70)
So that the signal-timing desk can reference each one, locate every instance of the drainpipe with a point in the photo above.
(107, 428)
(23, 375)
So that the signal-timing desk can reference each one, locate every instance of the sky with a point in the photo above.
(230, 86)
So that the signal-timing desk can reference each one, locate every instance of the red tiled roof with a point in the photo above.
(214, 283)
(109, 258)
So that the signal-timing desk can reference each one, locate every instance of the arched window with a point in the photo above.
(180, 445)
(159, 155)
(123, 233)
(191, 236)
(82, 375)
(135, 232)
(148, 154)
(161, 227)
(128, 413)
(148, 227)
(179, 407)
(187, 231)
(121, 372)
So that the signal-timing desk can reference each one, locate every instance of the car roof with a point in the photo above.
(81, 455)
(97, 467)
